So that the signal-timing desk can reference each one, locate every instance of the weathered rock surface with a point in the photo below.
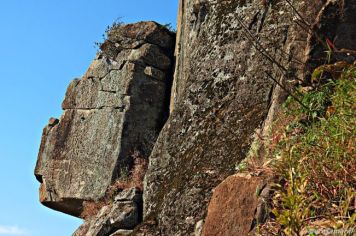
(120, 217)
(221, 94)
(229, 55)
(122, 232)
(233, 206)
(117, 108)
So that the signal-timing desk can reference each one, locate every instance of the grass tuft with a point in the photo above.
(313, 154)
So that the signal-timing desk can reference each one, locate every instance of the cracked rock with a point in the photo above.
(119, 217)
(117, 108)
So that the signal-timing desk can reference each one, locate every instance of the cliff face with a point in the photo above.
(230, 57)
(221, 94)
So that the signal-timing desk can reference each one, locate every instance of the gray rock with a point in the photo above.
(131, 194)
(119, 215)
(155, 73)
(117, 108)
(122, 232)
(124, 215)
(100, 225)
(151, 55)
(221, 94)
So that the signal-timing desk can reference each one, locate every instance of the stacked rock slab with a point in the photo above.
(117, 108)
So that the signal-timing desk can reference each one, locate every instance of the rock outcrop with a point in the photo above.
(221, 94)
(235, 62)
(230, 58)
(116, 109)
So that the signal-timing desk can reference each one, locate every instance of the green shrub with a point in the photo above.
(316, 160)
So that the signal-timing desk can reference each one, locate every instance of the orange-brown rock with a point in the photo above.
(233, 206)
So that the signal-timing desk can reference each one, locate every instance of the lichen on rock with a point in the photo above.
(235, 63)
(117, 108)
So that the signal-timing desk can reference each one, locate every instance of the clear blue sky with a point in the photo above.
(44, 44)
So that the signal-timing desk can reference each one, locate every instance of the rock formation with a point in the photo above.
(229, 55)
(234, 61)
(116, 109)
(221, 94)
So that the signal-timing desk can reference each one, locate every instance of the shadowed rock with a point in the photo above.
(118, 107)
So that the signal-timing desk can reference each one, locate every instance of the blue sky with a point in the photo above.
(44, 44)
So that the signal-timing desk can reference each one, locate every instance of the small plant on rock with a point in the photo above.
(115, 25)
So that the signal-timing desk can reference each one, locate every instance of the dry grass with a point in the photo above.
(314, 158)
(134, 179)
(91, 209)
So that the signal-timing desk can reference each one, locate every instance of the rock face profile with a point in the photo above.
(191, 106)
(117, 108)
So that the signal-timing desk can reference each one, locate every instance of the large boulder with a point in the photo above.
(116, 109)
(237, 205)
(228, 55)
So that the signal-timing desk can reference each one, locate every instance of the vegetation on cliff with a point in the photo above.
(313, 155)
